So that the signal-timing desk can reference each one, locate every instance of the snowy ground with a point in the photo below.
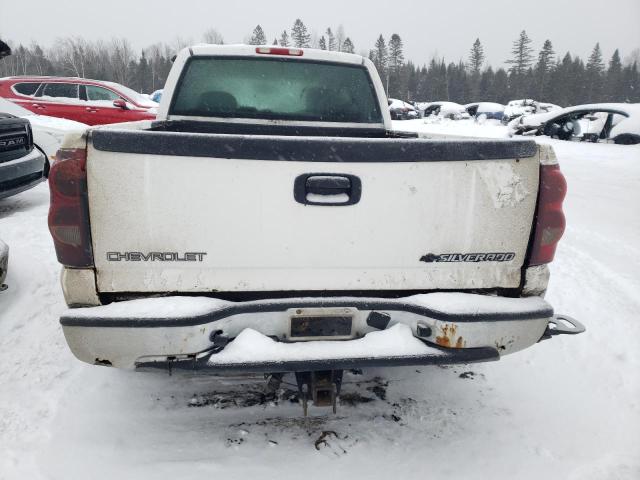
(565, 409)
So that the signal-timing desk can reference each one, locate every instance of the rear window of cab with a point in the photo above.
(276, 89)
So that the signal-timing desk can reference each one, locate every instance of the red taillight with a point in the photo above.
(69, 210)
(292, 52)
(550, 221)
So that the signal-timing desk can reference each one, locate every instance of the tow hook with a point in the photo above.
(322, 387)
(562, 325)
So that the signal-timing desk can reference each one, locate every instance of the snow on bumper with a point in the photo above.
(421, 329)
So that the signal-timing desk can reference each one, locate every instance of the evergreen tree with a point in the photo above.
(436, 81)
(594, 75)
(615, 64)
(631, 83)
(476, 57)
(422, 89)
(331, 40)
(322, 43)
(300, 35)
(595, 63)
(456, 82)
(347, 46)
(142, 76)
(258, 37)
(615, 88)
(529, 87)
(578, 88)
(485, 86)
(396, 75)
(522, 54)
(501, 86)
(284, 39)
(275, 41)
(411, 76)
(380, 54)
(520, 61)
(396, 54)
(543, 69)
(380, 57)
(559, 78)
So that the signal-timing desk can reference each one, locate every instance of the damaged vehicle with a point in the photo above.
(275, 228)
(448, 110)
(601, 122)
(526, 107)
(482, 111)
(400, 110)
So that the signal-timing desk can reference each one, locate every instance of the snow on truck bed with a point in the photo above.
(564, 409)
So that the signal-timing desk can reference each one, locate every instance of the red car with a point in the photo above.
(93, 102)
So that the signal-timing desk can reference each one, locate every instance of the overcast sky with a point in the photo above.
(443, 27)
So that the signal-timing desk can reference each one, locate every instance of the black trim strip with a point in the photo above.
(202, 126)
(308, 149)
(261, 307)
(449, 356)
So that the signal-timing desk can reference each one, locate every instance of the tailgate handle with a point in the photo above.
(327, 189)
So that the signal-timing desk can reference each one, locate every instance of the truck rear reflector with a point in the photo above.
(550, 221)
(292, 52)
(69, 211)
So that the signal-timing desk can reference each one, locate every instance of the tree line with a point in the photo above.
(565, 80)
(543, 75)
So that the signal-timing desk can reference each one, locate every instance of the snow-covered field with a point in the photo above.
(568, 408)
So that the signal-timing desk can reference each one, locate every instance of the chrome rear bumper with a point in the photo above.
(206, 334)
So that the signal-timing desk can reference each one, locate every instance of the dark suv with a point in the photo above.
(21, 165)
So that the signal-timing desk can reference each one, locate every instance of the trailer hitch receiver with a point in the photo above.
(322, 387)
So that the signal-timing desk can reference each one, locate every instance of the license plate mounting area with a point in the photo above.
(321, 324)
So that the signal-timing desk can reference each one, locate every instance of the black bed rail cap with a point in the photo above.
(309, 149)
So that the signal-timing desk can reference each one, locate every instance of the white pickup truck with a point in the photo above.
(270, 220)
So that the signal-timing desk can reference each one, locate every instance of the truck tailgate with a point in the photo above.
(176, 212)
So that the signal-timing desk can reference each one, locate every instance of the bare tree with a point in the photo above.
(179, 43)
(633, 57)
(121, 55)
(213, 36)
(340, 37)
(71, 54)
